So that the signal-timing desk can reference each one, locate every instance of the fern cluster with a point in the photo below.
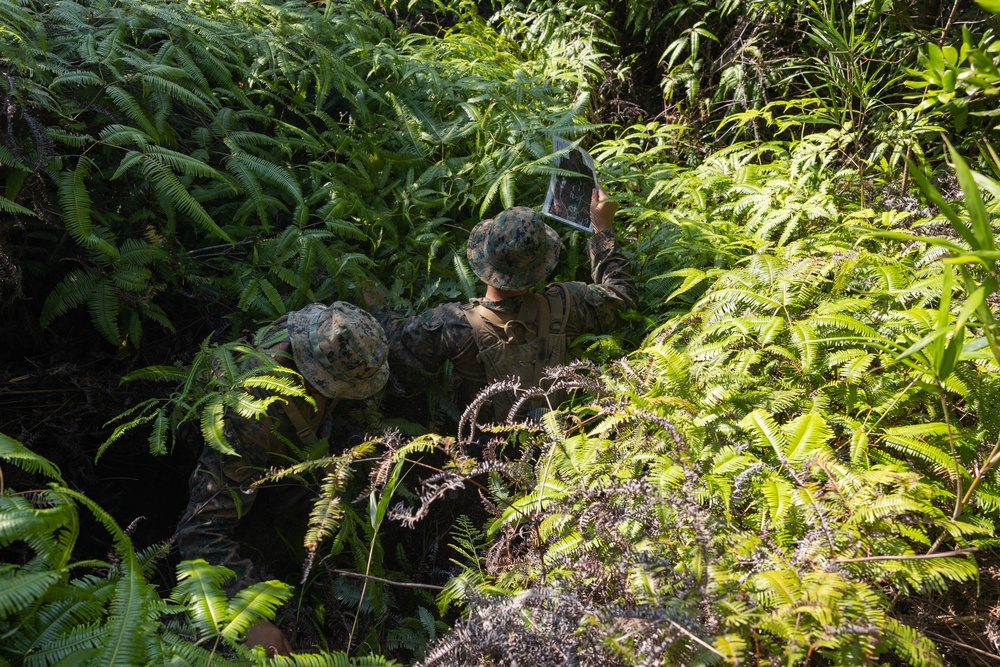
(789, 447)
(772, 470)
(53, 607)
(258, 156)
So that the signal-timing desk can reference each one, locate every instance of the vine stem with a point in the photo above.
(215, 648)
(943, 554)
(407, 584)
(954, 453)
(951, 19)
(991, 461)
(692, 636)
(980, 651)
(376, 522)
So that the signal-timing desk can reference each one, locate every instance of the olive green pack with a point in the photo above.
(520, 346)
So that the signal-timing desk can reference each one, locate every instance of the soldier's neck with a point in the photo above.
(497, 294)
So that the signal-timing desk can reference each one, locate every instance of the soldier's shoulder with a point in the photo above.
(447, 315)
(577, 294)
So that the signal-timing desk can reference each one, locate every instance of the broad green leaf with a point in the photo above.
(992, 6)
(982, 230)
(932, 193)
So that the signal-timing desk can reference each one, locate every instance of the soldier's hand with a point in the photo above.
(266, 634)
(602, 210)
(280, 352)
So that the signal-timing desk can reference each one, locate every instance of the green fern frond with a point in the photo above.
(854, 364)
(564, 546)
(128, 105)
(251, 187)
(49, 531)
(251, 604)
(74, 201)
(131, 279)
(333, 659)
(156, 374)
(104, 305)
(284, 386)
(766, 430)
(183, 163)
(459, 589)
(807, 436)
(74, 290)
(267, 172)
(223, 358)
(8, 206)
(846, 323)
(987, 496)
(80, 643)
(77, 78)
(125, 135)
(174, 90)
(778, 495)
(729, 300)
(121, 643)
(804, 338)
(153, 312)
(260, 296)
(14, 452)
(129, 606)
(212, 426)
(326, 514)
(157, 171)
(911, 645)
(248, 407)
(412, 122)
(20, 589)
(922, 429)
(940, 460)
(337, 226)
(199, 589)
(780, 588)
(137, 252)
(159, 432)
(465, 277)
(71, 606)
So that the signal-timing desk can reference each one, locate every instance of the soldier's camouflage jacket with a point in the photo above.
(424, 342)
(219, 488)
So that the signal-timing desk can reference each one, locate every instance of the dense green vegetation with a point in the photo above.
(788, 456)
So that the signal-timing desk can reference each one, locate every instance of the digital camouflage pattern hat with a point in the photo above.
(514, 250)
(340, 349)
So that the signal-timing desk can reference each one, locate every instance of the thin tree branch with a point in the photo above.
(980, 651)
(943, 554)
(405, 584)
(692, 636)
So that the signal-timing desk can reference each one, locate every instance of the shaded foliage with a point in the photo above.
(788, 455)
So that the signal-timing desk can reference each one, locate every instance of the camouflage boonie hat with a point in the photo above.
(340, 349)
(514, 250)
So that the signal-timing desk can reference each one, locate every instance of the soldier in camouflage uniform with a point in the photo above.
(511, 254)
(341, 352)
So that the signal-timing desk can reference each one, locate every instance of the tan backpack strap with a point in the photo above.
(529, 308)
(557, 308)
(302, 429)
(542, 316)
(484, 314)
(478, 315)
